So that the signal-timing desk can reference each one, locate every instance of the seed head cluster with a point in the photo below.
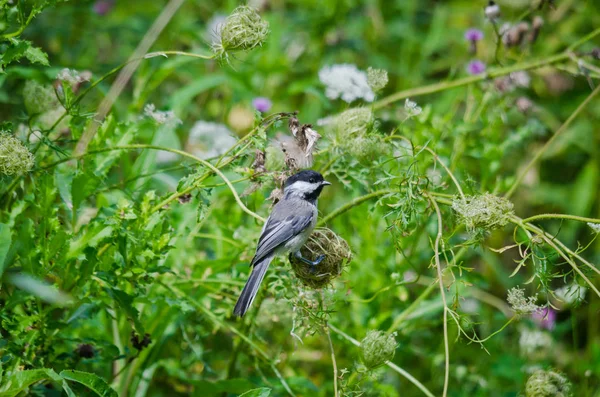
(15, 158)
(243, 30)
(521, 304)
(548, 384)
(377, 348)
(486, 211)
(377, 78)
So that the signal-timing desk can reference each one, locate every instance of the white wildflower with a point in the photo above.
(521, 304)
(377, 78)
(571, 294)
(521, 78)
(595, 227)
(411, 108)
(72, 76)
(532, 342)
(208, 139)
(160, 116)
(346, 81)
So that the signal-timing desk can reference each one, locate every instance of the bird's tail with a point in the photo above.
(251, 288)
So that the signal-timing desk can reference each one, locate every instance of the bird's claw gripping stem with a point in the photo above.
(313, 264)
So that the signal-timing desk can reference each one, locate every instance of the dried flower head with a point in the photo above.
(161, 116)
(377, 78)
(595, 227)
(346, 81)
(39, 98)
(521, 304)
(337, 256)
(536, 26)
(377, 348)
(548, 384)
(15, 158)
(485, 211)
(243, 30)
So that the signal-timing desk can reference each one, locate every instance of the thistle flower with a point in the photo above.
(346, 81)
(15, 158)
(475, 67)
(548, 384)
(337, 256)
(545, 318)
(377, 78)
(595, 227)
(243, 30)
(262, 104)
(473, 36)
(103, 7)
(73, 77)
(521, 304)
(492, 11)
(377, 348)
(485, 211)
(160, 116)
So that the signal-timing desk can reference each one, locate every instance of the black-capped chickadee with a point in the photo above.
(290, 224)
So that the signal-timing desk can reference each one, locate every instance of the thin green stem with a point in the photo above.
(584, 39)
(561, 216)
(393, 366)
(179, 152)
(445, 85)
(549, 143)
(354, 203)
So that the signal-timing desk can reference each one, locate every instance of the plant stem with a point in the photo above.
(335, 371)
(445, 85)
(393, 366)
(354, 203)
(438, 266)
(558, 132)
(561, 216)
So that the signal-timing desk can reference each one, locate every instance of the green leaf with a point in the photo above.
(260, 392)
(41, 289)
(5, 241)
(21, 380)
(125, 302)
(91, 381)
(36, 55)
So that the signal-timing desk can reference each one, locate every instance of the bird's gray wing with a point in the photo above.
(281, 227)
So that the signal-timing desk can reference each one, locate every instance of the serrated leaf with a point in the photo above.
(36, 55)
(125, 302)
(91, 381)
(21, 380)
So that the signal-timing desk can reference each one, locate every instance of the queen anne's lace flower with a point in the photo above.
(377, 78)
(533, 342)
(521, 304)
(243, 30)
(346, 81)
(548, 384)
(161, 116)
(594, 226)
(15, 158)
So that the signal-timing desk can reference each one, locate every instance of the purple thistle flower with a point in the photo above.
(103, 7)
(473, 35)
(262, 104)
(475, 67)
(545, 318)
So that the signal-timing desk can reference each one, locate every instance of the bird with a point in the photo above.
(291, 222)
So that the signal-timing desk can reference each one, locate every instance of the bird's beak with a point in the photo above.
(325, 183)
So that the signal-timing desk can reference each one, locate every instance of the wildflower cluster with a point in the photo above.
(161, 116)
(15, 158)
(347, 82)
(483, 213)
(521, 304)
(377, 348)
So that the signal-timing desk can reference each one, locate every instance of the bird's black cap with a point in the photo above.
(305, 176)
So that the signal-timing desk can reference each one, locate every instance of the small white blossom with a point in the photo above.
(411, 108)
(521, 304)
(72, 76)
(570, 294)
(346, 81)
(534, 341)
(208, 139)
(595, 227)
(160, 116)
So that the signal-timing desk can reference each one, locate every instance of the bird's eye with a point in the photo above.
(312, 180)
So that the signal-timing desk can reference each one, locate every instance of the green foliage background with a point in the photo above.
(96, 252)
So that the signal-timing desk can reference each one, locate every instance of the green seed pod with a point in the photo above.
(243, 30)
(337, 256)
(15, 158)
(377, 348)
(547, 384)
(377, 78)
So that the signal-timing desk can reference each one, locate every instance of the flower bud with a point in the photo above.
(243, 30)
(377, 348)
(377, 78)
(15, 158)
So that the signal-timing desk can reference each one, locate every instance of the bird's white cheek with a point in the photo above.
(302, 187)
